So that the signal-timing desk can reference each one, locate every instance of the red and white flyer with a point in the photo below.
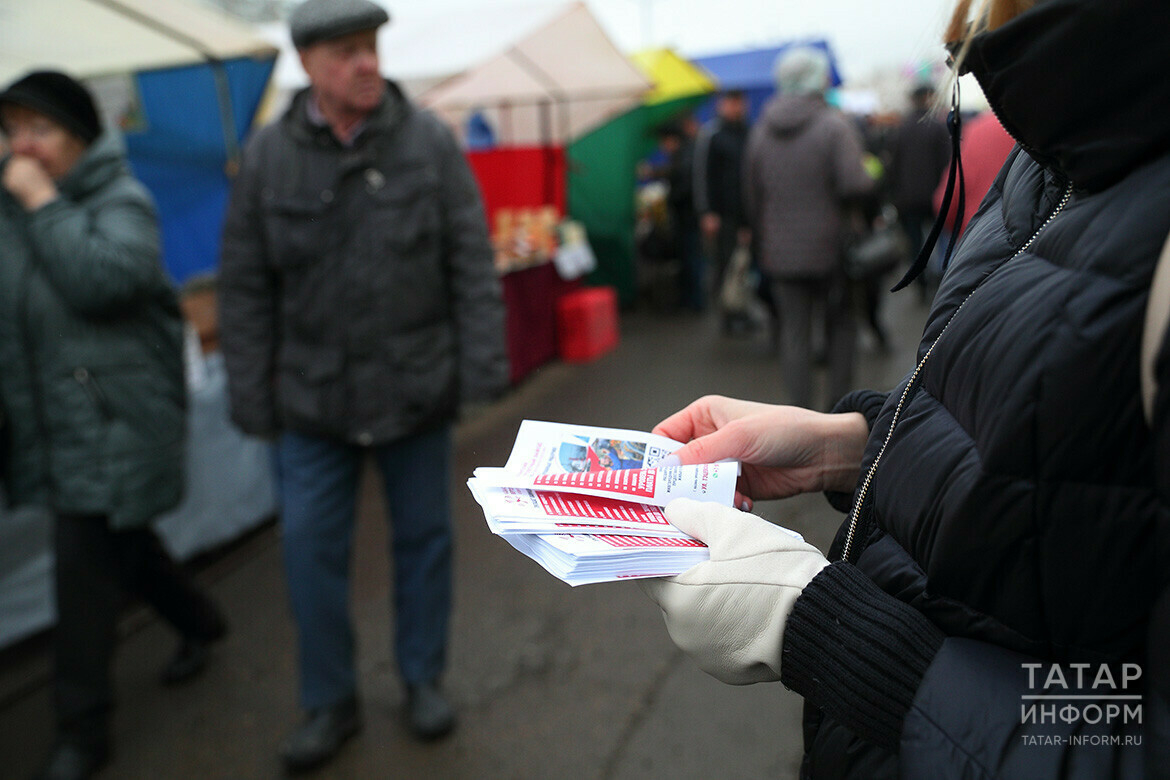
(560, 448)
(519, 510)
(581, 559)
(586, 502)
(657, 486)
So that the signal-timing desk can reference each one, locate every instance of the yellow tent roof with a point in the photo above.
(673, 77)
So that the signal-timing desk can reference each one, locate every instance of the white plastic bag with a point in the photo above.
(574, 258)
(736, 295)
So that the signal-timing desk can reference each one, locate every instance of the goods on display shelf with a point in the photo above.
(522, 237)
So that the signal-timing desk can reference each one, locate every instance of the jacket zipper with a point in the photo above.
(855, 512)
(94, 390)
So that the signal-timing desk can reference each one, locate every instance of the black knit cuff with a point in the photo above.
(869, 403)
(857, 653)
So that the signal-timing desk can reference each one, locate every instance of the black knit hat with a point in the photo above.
(320, 20)
(59, 97)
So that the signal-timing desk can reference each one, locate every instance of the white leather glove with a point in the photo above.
(729, 613)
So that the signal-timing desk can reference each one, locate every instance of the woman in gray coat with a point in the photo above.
(91, 378)
(803, 166)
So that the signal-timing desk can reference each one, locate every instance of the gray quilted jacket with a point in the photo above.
(91, 368)
(803, 163)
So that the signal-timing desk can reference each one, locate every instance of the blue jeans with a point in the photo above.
(318, 489)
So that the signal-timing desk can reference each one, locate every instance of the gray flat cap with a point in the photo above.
(320, 20)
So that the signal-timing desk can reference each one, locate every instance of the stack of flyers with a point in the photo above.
(586, 503)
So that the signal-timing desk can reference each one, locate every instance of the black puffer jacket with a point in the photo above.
(1011, 515)
(358, 297)
(719, 151)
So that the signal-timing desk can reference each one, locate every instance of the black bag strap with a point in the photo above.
(954, 177)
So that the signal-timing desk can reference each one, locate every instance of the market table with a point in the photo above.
(530, 298)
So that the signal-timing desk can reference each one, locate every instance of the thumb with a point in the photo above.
(731, 533)
(723, 444)
(704, 520)
(653, 587)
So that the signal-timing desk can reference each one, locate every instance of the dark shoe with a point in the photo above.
(74, 761)
(427, 710)
(194, 651)
(321, 736)
(188, 662)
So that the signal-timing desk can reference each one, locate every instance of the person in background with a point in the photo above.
(920, 151)
(872, 214)
(718, 187)
(91, 378)
(998, 589)
(802, 167)
(677, 140)
(359, 307)
(478, 131)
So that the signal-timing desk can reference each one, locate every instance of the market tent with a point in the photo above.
(514, 64)
(562, 79)
(556, 83)
(673, 77)
(603, 163)
(182, 80)
(751, 71)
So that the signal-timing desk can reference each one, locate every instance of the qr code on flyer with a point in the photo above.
(654, 454)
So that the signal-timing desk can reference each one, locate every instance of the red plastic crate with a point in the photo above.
(587, 324)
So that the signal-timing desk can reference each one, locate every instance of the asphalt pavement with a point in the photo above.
(549, 681)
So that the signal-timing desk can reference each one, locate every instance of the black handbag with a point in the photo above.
(876, 253)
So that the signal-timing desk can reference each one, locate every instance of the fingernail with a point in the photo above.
(670, 461)
(746, 506)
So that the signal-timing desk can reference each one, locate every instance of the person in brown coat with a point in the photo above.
(803, 165)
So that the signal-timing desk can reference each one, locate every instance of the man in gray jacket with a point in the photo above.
(803, 164)
(359, 308)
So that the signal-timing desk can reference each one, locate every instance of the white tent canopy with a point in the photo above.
(555, 84)
(93, 38)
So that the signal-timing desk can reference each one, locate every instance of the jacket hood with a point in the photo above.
(1081, 84)
(104, 160)
(789, 114)
(389, 114)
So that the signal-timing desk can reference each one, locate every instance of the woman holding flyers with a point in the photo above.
(985, 610)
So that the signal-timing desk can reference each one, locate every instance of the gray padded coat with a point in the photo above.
(803, 163)
(91, 368)
(358, 297)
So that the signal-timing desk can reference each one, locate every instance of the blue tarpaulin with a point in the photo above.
(182, 79)
(181, 154)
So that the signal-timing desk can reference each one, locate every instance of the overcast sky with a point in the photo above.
(865, 34)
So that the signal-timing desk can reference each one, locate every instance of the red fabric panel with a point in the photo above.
(526, 177)
(520, 176)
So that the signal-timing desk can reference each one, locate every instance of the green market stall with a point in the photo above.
(602, 164)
